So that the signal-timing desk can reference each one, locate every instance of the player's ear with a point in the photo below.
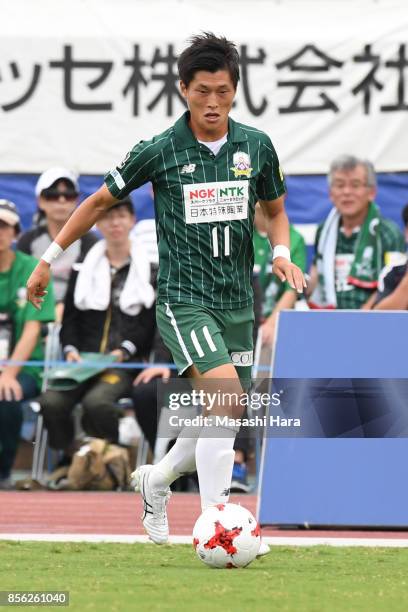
(183, 89)
(372, 193)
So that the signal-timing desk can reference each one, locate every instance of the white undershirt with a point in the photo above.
(215, 145)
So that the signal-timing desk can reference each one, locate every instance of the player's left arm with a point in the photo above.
(277, 227)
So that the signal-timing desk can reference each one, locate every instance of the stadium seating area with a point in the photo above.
(248, 451)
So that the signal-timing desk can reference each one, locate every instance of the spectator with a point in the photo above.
(145, 391)
(20, 325)
(393, 283)
(276, 296)
(57, 192)
(270, 296)
(355, 241)
(108, 309)
(262, 268)
(145, 233)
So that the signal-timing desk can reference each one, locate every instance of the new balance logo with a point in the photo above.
(188, 169)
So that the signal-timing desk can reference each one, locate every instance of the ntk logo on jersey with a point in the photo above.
(219, 201)
(242, 164)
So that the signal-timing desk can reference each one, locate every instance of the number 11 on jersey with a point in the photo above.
(226, 241)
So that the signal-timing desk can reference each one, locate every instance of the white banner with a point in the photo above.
(82, 81)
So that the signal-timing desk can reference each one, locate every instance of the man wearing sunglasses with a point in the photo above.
(57, 192)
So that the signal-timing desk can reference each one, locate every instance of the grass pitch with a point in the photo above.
(121, 577)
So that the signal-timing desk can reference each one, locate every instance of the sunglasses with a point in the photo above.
(55, 194)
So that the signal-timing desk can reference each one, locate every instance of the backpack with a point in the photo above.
(96, 466)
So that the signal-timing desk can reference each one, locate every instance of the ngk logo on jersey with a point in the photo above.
(209, 202)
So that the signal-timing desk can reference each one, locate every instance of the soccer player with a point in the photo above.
(208, 172)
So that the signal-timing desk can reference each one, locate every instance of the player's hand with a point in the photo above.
(37, 283)
(288, 271)
(10, 388)
(149, 373)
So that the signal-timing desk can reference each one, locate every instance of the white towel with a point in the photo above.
(93, 285)
(325, 296)
(145, 232)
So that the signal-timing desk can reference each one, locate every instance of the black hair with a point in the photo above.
(405, 215)
(125, 203)
(210, 53)
(62, 179)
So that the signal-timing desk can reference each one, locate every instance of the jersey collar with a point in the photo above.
(185, 138)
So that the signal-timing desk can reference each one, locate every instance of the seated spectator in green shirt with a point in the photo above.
(276, 295)
(20, 325)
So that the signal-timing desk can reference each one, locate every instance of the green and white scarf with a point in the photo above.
(368, 257)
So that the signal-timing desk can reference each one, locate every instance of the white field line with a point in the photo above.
(272, 541)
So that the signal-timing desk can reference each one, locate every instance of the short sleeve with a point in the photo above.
(389, 280)
(136, 169)
(271, 183)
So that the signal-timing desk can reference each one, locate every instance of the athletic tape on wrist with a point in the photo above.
(280, 250)
(52, 252)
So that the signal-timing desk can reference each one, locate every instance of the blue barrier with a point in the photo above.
(348, 481)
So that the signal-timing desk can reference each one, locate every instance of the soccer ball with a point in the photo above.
(226, 535)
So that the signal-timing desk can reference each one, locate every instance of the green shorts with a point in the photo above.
(207, 338)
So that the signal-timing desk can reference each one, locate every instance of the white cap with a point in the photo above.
(50, 176)
(9, 213)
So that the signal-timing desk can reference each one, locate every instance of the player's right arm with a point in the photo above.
(81, 221)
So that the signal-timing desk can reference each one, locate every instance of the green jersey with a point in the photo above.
(13, 302)
(204, 208)
(262, 257)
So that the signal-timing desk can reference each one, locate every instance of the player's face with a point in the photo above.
(115, 225)
(350, 193)
(209, 97)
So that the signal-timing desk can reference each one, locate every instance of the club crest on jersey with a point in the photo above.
(242, 164)
(188, 169)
